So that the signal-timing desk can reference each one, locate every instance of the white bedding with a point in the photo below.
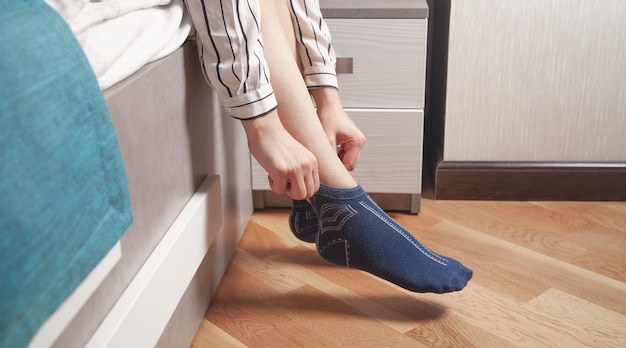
(121, 36)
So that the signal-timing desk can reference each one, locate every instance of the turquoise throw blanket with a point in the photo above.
(63, 192)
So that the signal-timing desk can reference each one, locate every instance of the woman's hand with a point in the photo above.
(291, 168)
(339, 128)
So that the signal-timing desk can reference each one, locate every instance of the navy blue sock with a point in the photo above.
(355, 232)
(303, 221)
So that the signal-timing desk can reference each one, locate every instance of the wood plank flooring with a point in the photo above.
(546, 274)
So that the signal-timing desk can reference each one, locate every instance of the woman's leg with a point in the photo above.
(296, 110)
(353, 230)
(295, 107)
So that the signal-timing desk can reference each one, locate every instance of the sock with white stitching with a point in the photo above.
(355, 232)
(303, 221)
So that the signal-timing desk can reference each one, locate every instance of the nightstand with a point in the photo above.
(381, 68)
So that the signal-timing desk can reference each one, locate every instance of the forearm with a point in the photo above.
(231, 54)
(317, 56)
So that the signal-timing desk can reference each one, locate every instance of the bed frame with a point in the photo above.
(188, 171)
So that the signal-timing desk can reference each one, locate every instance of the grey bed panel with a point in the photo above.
(162, 115)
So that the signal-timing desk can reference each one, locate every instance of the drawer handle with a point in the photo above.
(344, 65)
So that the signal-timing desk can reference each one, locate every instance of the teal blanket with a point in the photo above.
(63, 192)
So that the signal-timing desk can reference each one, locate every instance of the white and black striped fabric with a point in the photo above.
(231, 51)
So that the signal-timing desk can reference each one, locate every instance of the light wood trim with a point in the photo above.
(388, 201)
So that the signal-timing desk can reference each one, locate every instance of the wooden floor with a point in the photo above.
(546, 274)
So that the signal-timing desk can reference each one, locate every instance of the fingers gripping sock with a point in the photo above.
(303, 221)
(356, 233)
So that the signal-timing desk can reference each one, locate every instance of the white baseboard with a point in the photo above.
(144, 309)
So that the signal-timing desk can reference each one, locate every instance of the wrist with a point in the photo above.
(326, 97)
(257, 127)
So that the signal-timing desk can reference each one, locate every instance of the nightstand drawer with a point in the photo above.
(391, 161)
(388, 61)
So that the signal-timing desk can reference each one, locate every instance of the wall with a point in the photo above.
(536, 80)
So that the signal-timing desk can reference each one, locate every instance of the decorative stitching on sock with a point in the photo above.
(310, 214)
(297, 222)
(329, 243)
(431, 255)
(342, 213)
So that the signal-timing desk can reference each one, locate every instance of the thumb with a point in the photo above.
(349, 157)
